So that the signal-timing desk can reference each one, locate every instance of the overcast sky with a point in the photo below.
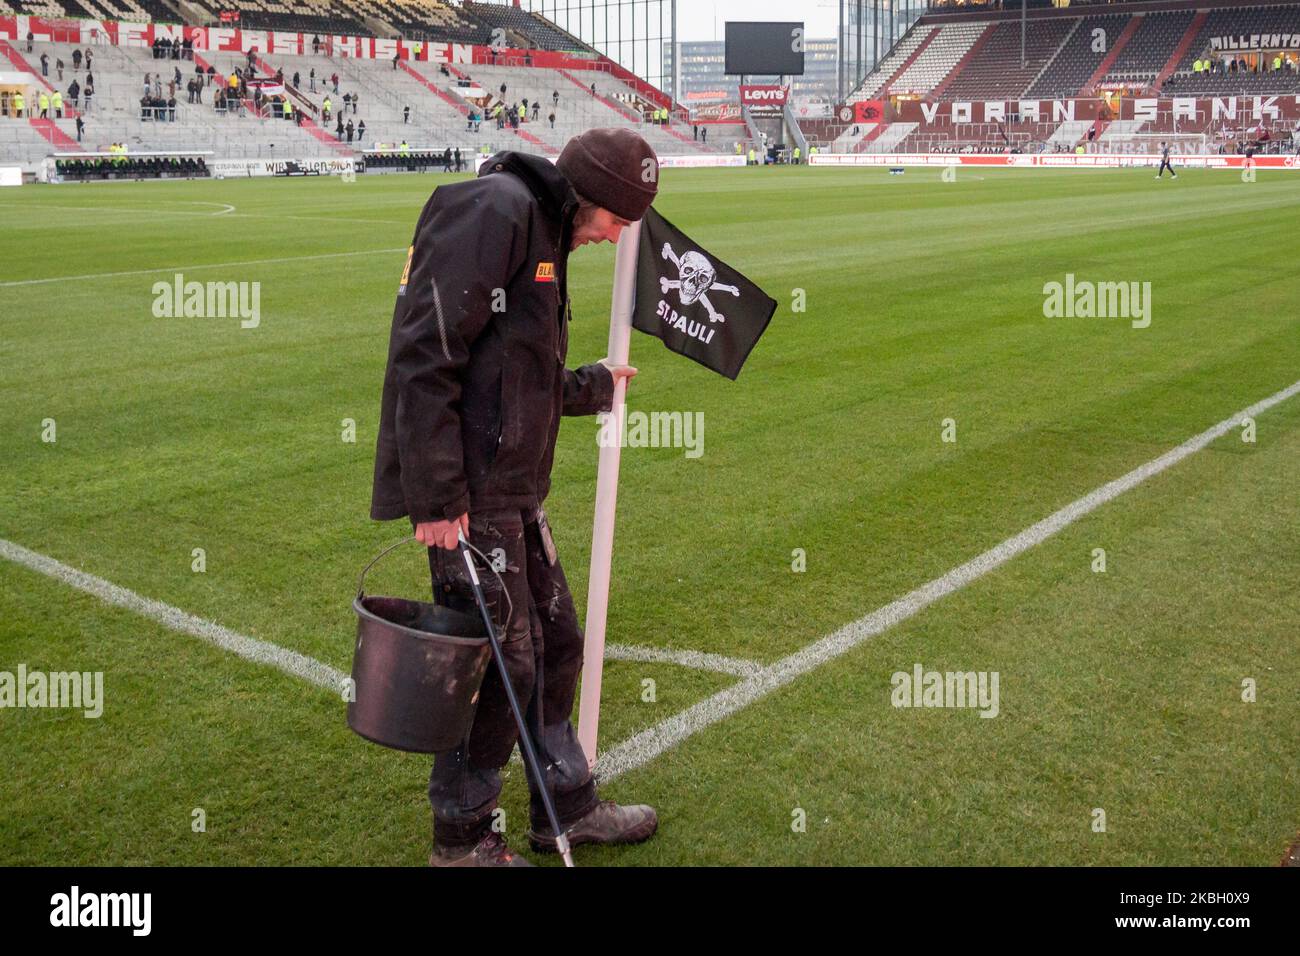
(702, 20)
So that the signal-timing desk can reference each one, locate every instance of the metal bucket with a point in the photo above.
(416, 670)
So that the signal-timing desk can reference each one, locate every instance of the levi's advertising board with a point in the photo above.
(763, 100)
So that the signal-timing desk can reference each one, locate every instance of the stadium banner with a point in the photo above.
(1193, 109)
(243, 168)
(699, 160)
(868, 111)
(764, 100)
(1048, 160)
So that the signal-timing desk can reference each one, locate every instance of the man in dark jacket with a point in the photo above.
(474, 390)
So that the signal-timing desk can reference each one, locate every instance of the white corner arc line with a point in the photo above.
(650, 743)
(696, 660)
(249, 648)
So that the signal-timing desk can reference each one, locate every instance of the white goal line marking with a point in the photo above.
(643, 747)
(292, 662)
(206, 265)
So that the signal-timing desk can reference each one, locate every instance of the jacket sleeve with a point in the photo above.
(465, 249)
(588, 390)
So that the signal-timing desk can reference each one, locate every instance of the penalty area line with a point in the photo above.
(645, 746)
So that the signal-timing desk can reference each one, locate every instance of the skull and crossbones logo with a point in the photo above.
(696, 279)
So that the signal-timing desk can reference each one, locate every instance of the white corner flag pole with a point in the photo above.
(602, 531)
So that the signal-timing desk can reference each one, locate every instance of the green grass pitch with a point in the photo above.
(1119, 691)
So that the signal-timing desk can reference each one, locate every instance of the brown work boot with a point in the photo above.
(607, 824)
(490, 851)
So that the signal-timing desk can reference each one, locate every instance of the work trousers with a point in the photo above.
(542, 645)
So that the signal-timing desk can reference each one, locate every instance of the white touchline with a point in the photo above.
(208, 265)
(650, 743)
(249, 648)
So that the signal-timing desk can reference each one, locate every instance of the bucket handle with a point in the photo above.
(361, 581)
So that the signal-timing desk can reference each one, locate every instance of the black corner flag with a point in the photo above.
(698, 305)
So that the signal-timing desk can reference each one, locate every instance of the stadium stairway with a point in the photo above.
(937, 58)
(1112, 55)
(308, 121)
(47, 129)
(1180, 51)
(891, 65)
(971, 52)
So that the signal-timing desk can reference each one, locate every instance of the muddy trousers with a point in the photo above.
(542, 645)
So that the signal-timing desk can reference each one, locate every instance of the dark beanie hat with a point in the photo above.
(614, 168)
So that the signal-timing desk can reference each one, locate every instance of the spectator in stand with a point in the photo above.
(211, 73)
(148, 83)
(334, 78)
(88, 56)
(551, 120)
(176, 75)
(351, 130)
(311, 80)
(537, 110)
(88, 91)
(355, 99)
(339, 131)
(460, 161)
(74, 93)
(361, 130)
(315, 45)
(58, 65)
(297, 80)
(30, 37)
(347, 101)
(555, 97)
(171, 109)
(406, 114)
(45, 64)
(593, 89)
(397, 58)
(76, 60)
(81, 125)
(503, 91)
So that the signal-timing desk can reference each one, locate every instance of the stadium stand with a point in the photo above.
(892, 63)
(932, 66)
(1238, 72)
(1079, 58)
(296, 16)
(523, 29)
(994, 70)
(1149, 49)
